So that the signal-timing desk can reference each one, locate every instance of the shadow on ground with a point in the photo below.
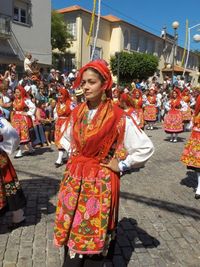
(163, 205)
(179, 139)
(190, 181)
(40, 205)
(130, 239)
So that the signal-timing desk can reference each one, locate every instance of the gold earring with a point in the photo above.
(104, 97)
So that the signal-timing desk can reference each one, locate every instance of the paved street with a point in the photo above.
(159, 218)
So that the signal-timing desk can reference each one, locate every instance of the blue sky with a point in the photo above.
(148, 15)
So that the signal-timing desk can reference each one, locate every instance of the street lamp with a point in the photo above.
(196, 38)
(175, 26)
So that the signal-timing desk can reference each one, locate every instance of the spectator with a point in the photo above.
(28, 64)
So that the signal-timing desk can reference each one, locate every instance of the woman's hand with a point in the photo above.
(113, 165)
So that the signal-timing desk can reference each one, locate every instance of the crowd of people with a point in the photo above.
(100, 128)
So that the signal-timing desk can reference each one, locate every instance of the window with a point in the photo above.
(142, 44)
(97, 52)
(134, 41)
(151, 46)
(23, 16)
(16, 14)
(71, 25)
(160, 50)
(22, 12)
(126, 40)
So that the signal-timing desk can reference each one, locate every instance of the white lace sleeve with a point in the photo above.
(10, 137)
(138, 145)
(31, 107)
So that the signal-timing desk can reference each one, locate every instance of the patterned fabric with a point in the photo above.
(63, 111)
(88, 198)
(191, 152)
(150, 113)
(22, 123)
(173, 121)
(11, 195)
(3, 160)
(187, 114)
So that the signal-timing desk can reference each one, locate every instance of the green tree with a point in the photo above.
(133, 65)
(60, 36)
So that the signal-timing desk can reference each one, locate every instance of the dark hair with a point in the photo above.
(102, 79)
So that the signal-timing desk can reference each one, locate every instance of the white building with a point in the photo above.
(25, 26)
(116, 35)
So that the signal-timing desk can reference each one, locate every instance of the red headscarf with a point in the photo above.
(197, 106)
(64, 93)
(137, 91)
(127, 99)
(22, 91)
(103, 70)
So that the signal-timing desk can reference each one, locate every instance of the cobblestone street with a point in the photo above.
(159, 221)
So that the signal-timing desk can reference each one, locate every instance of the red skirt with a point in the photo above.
(87, 206)
(22, 124)
(58, 133)
(150, 113)
(191, 152)
(11, 194)
(187, 115)
(173, 121)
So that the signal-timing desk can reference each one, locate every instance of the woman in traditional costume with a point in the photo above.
(191, 152)
(138, 107)
(187, 112)
(173, 122)
(150, 109)
(103, 142)
(116, 96)
(127, 104)
(63, 110)
(21, 119)
(11, 195)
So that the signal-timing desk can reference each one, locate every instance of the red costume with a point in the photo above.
(21, 122)
(63, 112)
(191, 153)
(173, 122)
(150, 109)
(11, 194)
(138, 103)
(186, 97)
(88, 199)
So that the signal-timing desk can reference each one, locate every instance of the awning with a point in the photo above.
(176, 69)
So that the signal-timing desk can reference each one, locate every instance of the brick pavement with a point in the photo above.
(159, 221)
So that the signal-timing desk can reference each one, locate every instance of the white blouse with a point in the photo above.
(10, 137)
(138, 145)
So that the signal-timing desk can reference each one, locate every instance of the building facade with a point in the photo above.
(116, 35)
(25, 27)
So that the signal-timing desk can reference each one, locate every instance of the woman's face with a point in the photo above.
(92, 86)
(17, 93)
(137, 94)
(174, 94)
(61, 97)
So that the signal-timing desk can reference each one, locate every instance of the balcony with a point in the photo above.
(5, 26)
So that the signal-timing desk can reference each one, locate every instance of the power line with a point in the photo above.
(134, 20)
(126, 16)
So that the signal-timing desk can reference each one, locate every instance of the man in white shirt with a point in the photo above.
(28, 64)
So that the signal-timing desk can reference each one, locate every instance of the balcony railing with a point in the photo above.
(5, 26)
